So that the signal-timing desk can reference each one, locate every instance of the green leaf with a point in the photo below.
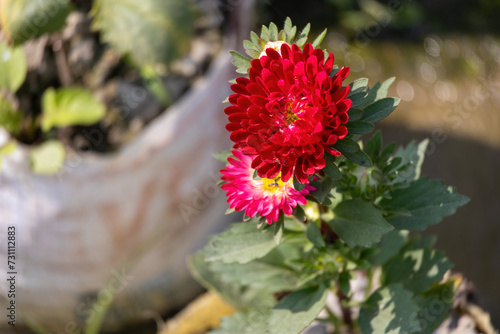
(290, 30)
(389, 310)
(359, 127)
(344, 281)
(70, 106)
(273, 32)
(48, 158)
(358, 86)
(157, 31)
(257, 274)
(374, 145)
(278, 230)
(359, 158)
(332, 171)
(242, 243)
(13, 67)
(389, 246)
(28, 19)
(240, 61)
(413, 155)
(428, 202)
(222, 156)
(297, 310)
(10, 119)
(319, 39)
(323, 187)
(346, 145)
(359, 223)
(355, 114)
(380, 109)
(235, 293)
(416, 269)
(251, 322)
(314, 234)
(377, 92)
(434, 305)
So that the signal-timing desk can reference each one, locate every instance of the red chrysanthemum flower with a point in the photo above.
(289, 111)
(267, 197)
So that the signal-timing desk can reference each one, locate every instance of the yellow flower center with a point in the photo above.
(272, 185)
(290, 116)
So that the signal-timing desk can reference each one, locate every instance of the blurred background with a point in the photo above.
(444, 54)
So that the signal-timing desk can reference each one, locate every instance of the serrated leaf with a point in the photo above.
(393, 164)
(413, 155)
(251, 322)
(273, 32)
(389, 246)
(317, 41)
(305, 31)
(359, 158)
(359, 127)
(332, 171)
(377, 92)
(242, 243)
(48, 158)
(70, 106)
(10, 119)
(238, 295)
(240, 60)
(28, 19)
(157, 31)
(13, 67)
(389, 310)
(434, 306)
(380, 109)
(359, 223)
(416, 269)
(257, 274)
(313, 233)
(297, 310)
(428, 201)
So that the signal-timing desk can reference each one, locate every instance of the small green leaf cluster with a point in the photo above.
(257, 43)
(149, 34)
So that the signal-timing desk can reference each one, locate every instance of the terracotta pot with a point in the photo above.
(120, 224)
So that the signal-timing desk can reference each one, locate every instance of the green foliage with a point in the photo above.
(48, 157)
(356, 220)
(150, 31)
(10, 119)
(359, 223)
(13, 67)
(389, 310)
(7, 149)
(242, 243)
(70, 106)
(28, 19)
(425, 202)
(297, 310)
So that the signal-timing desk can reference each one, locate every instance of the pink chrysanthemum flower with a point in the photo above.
(289, 111)
(267, 197)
